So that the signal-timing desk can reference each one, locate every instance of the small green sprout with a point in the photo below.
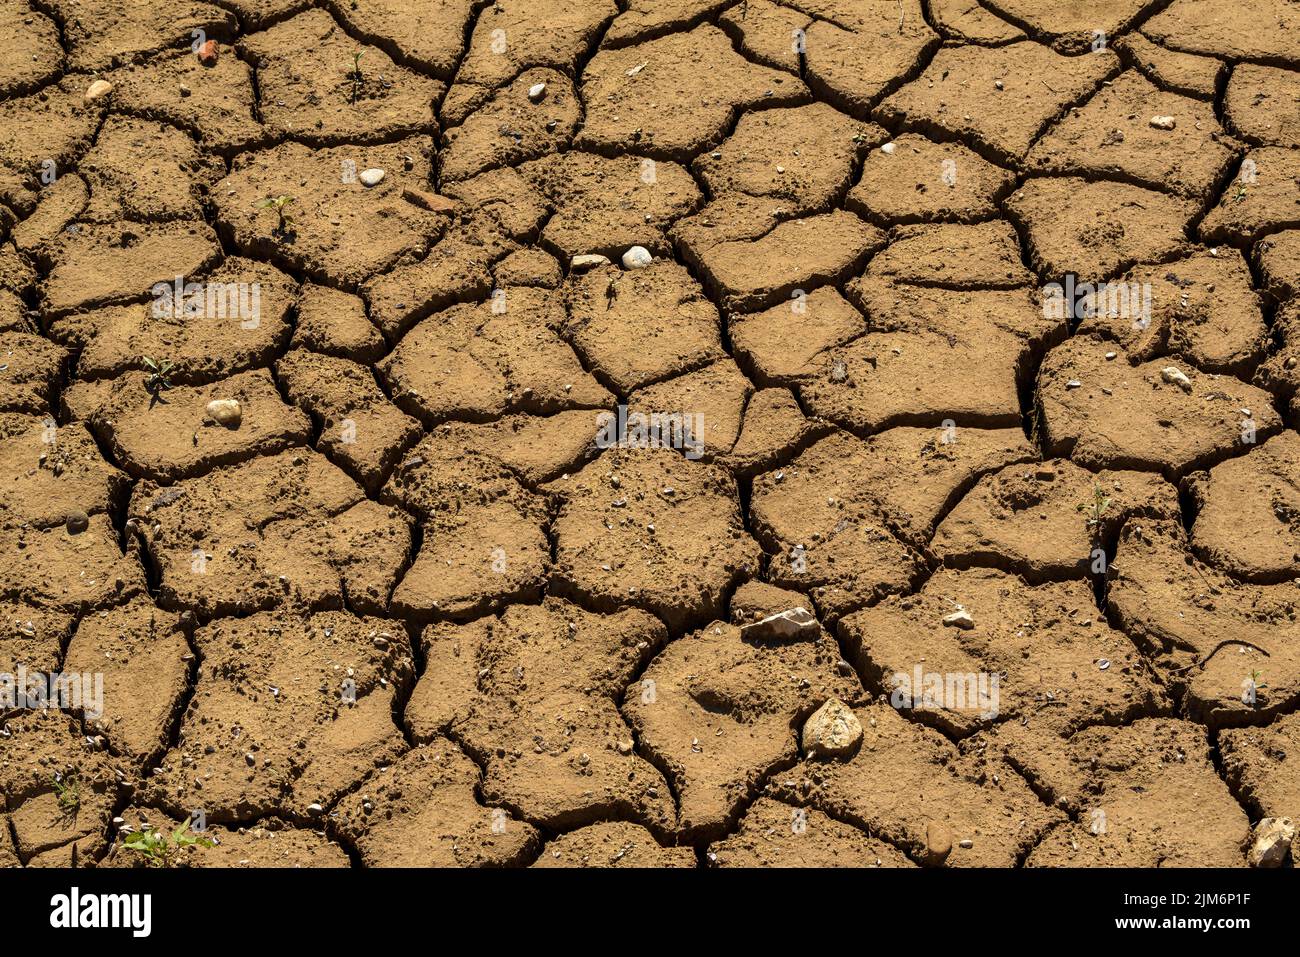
(357, 77)
(162, 850)
(1095, 509)
(67, 792)
(157, 378)
(284, 225)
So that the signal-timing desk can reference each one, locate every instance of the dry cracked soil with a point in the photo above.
(649, 433)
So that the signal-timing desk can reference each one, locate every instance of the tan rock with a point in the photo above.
(833, 731)
(1272, 842)
(938, 844)
(792, 623)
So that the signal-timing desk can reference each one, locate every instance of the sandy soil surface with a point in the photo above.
(650, 433)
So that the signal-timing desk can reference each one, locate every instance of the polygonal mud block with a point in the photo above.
(334, 227)
(908, 784)
(1258, 200)
(359, 427)
(215, 101)
(765, 32)
(1160, 415)
(73, 570)
(1153, 800)
(1223, 29)
(802, 157)
(1260, 103)
(32, 55)
(100, 34)
(605, 206)
(651, 529)
(1095, 230)
(455, 271)
(863, 51)
(1185, 73)
(169, 434)
(1248, 512)
(1071, 29)
(112, 264)
(534, 127)
(423, 811)
(479, 361)
(967, 21)
(58, 787)
(717, 713)
(334, 323)
(429, 35)
(643, 326)
(934, 356)
(146, 172)
(469, 564)
(775, 834)
(1203, 307)
(801, 254)
(32, 637)
(613, 844)
(143, 656)
(287, 712)
(918, 180)
(1260, 766)
(320, 86)
(284, 529)
(53, 125)
(210, 326)
(672, 97)
(1037, 656)
(1188, 160)
(1050, 521)
(53, 471)
(952, 256)
(958, 94)
(1230, 651)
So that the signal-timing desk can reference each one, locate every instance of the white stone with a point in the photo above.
(959, 619)
(888, 149)
(227, 412)
(371, 177)
(637, 257)
(536, 92)
(1176, 377)
(1163, 122)
(793, 623)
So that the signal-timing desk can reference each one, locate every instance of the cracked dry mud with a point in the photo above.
(409, 608)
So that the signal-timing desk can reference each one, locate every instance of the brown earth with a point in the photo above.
(332, 427)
